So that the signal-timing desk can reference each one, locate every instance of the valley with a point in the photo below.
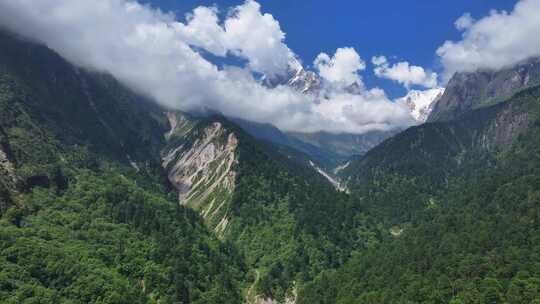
(110, 195)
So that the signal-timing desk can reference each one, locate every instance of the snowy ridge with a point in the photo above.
(305, 81)
(420, 103)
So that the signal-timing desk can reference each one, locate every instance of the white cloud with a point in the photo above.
(246, 33)
(374, 109)
(342, 68)
(257, 37)
(203, 30)
(464, 22)
(495, 41)
(404, 73)
(159, 56)
(379, 60)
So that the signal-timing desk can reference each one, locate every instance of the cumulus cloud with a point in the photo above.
(246, 33)
(379, 60)
(464, 22)
(202, 29)
(342, 68)
(404, 73)
(162, 57)
(257, 37)
(498, 40)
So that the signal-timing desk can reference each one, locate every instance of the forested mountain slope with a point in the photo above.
(87, 214)
(424, 159)
(284, 217)
(471, 238)
(319, 152)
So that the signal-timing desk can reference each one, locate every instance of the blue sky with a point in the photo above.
(404, 30)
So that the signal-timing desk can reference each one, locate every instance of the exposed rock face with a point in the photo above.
(332, 179)
(290, 299)
(8, 181)
(505, 128)
(203, 172)
(179, 125)
(173, 122)
(6, 167)
(468, 91)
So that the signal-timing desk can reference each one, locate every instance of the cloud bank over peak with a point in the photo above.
(164, 58)
(498, 40)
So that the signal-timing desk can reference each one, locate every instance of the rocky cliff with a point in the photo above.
(469, 91)
(200, 161)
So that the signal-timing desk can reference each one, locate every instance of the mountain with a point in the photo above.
(298, 78)
(329, 150)
(321, 155)
(421, 103)
(306, 82)
(460, 201)
(87, 213)
(427, 156)
(344, 145)
(472, 90)
(268, 200)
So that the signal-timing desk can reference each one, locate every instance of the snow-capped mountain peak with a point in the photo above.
(297, 77)
(305, 81)
(421, 103)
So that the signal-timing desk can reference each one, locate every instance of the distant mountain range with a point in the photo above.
(330, 149)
